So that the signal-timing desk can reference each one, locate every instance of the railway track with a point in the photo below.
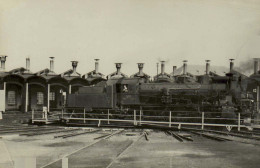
(100, 142)
(213, 137)
(237, 134)
(145, 134)
(26, 130)
(176, 136)
(181, 138)
(49, 132)
(187, 137)
(118, 147)
(250, 133)
(240, 135)
(109, 135)
(75, 134)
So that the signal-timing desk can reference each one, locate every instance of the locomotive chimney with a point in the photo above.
(118, 67)
(256, 65)
(185, 67)
(162, 67)
(28, 64)
(3, 59)
(231, 64)
(52, 64)
(140, 67)
(74, 67)
(207, 67)
(174, 70)
(96, 66)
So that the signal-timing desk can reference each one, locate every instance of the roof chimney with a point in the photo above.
(256, 65)
(157, 66)
(185, 67)
(140, 67)
(207, 67)
(96, 66)
(174, 70)
(28, 64)
(162, 67)
(74, 67)
(52, 64)
(231, 64)
(118, 67)
(3, 59)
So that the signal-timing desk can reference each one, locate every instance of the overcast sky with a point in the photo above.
(128, 31)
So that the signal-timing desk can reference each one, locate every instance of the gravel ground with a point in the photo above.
(128, 150)
(167, 152)
(45, 148)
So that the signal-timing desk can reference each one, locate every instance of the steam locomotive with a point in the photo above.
(187, 95)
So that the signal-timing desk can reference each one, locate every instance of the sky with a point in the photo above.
(128, 31)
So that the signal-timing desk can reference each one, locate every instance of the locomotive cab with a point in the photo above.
(127, 92)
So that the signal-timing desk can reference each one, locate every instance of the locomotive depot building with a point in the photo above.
(23, 90)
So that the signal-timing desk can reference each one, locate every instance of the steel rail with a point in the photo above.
(127, 147)
(75, 134)
(48, 132)
(23, 130)
(95, 142)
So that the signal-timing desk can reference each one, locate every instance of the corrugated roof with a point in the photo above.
(116, 75)
(45, 71)
(69, 73)
(138, 75)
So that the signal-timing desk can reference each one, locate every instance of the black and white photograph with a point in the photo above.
(129, 83)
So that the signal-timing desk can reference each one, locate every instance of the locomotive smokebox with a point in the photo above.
(140, 67)
(256, 65)
(162, 67)
(207, 67)
(52, 64)
(27, 64)
(118, 68)
(74, 67)
(96, 66)
(231, 64)
(174, 70)
(3, 59)
(185, 67)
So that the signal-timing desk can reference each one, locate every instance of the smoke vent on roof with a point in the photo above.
(96, 66)
(140, 67)
(118, 68)
(74, 68)
(256, 65)
(27, 64)
(207, 67)
(162, 67)
(3, 60)
(174, 70)
(185, 67)
(52, 64)
(231, 64)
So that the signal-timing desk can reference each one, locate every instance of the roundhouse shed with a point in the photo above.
(23, 90)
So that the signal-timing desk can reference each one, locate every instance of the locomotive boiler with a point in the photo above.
(185, 94)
